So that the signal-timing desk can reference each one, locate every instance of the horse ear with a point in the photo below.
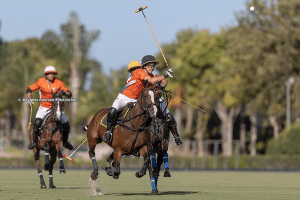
(146, 83)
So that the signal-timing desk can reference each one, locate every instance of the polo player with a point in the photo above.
(132, 89)
(46, 85)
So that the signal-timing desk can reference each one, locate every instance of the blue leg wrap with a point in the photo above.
(47, 157)
(166, 161)
(152, 180)
(153, 160)
(50, 179)
(41, 177)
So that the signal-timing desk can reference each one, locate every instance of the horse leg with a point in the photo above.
(117, 158)
(143, 152)
(166, 164)
(46, 166)
(155, 173)
(108, 169)
(160, 160)
(39, 167)
(52, 161)
(61, 163)
(94, 174)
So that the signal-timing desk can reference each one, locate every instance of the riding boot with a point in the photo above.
(66, 131)
(173, 128)
(36, 125)
(111, 115)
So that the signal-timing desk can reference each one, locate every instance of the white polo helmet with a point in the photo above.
(50, 69)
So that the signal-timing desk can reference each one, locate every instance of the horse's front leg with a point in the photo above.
(61, 163)
(92, 145)
(46, 165)
(52, 161)
(117, 159)
(165, 158)
(143, 152)
(39, 167)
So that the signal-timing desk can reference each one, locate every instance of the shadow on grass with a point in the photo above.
(159, 193)
(70, 188)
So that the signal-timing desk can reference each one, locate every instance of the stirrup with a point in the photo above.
(107, 136)
(177, 141)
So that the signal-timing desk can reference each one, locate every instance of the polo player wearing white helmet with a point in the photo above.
(46, 85)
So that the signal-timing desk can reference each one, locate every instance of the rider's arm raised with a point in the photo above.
(155, 79)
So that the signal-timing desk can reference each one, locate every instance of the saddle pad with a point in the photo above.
(120, 117)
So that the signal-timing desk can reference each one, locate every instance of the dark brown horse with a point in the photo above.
(50, 140)
(129, 137)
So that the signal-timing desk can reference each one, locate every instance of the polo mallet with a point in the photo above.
(69, 157)
(29, 125)
(141, 9)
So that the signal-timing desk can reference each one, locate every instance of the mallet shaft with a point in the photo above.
(78, 147)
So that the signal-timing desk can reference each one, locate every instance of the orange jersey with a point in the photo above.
(135, 84)
(45, 89)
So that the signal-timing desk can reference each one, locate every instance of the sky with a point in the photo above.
(124, 34)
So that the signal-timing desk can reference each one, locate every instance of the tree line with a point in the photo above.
(238, 74)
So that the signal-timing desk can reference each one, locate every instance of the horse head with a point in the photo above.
(150, 99)
(57, 105)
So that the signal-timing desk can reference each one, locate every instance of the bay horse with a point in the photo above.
(129, 137)
(50, 140)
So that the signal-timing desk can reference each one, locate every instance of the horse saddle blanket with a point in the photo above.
(120, 116)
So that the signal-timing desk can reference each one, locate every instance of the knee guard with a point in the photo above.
(170, 119)
(111, 115)
(37, 124)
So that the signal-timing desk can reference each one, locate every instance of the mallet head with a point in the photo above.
(140, 9)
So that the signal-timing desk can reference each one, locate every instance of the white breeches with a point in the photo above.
(163, 106)
(121, 101)
(42, 112)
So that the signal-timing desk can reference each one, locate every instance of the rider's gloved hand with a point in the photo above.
(64, 93)
(30, 102)
(169, 72)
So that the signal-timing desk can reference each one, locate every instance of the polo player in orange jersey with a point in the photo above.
(46, 85)
(132, 89)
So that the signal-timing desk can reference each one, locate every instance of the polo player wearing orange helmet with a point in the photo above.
(46, 85)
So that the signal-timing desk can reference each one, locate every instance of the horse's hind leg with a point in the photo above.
(52, 161)
(109, 170)
(143, 152)
(61, 163)
(39, 167)
(92, 145)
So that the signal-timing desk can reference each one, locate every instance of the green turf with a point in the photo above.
(24, 184)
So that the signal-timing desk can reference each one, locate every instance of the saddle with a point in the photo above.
(120, 116)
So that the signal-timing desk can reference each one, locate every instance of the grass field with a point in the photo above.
(24, 184)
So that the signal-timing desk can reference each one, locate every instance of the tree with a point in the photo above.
(73, 45)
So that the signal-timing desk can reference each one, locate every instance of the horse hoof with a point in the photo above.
(62, 171)
(167, 173)
(110, 172)
(140, 174)
(115, 177)
(154, 192)
(94, 176)
(43, 186)
(53, 186)
(46, 167)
